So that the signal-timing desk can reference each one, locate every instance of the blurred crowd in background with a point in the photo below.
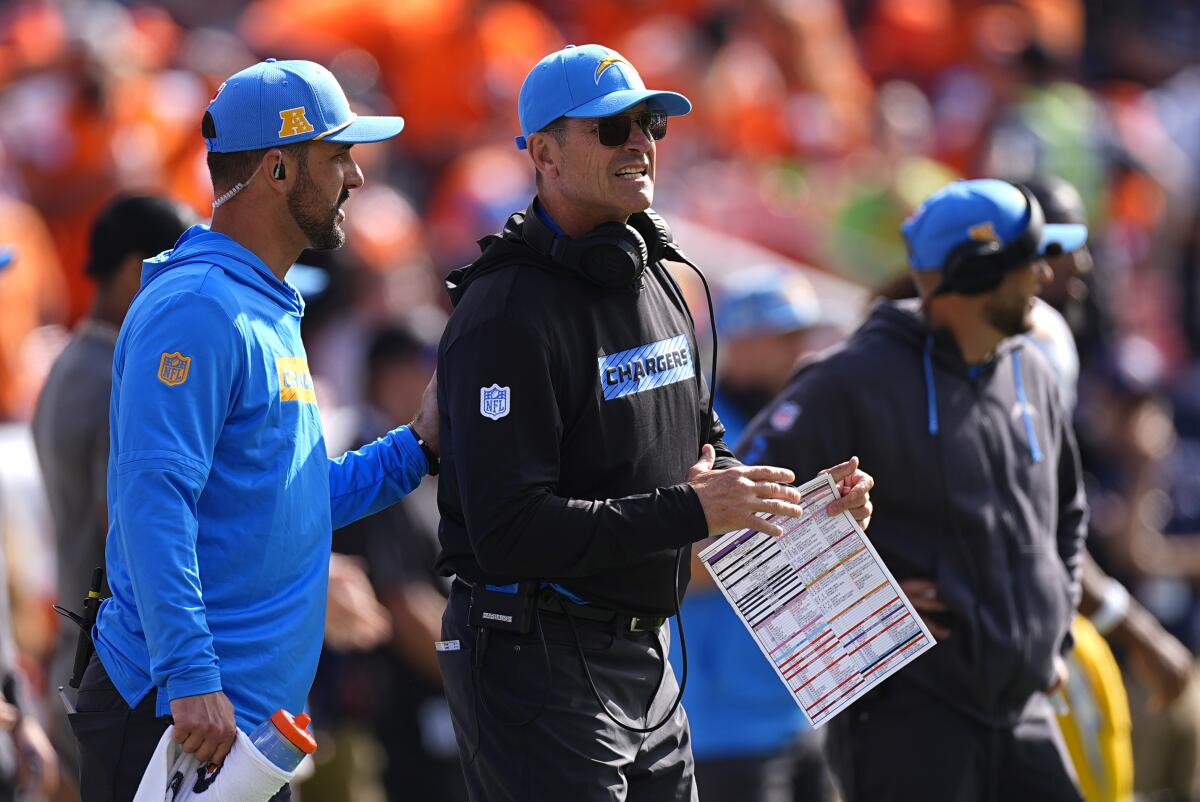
(818, 126)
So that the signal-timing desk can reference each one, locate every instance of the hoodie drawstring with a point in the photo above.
(1035, 453)
(930, 389)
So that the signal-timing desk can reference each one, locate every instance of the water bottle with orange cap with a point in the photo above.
(284, 740)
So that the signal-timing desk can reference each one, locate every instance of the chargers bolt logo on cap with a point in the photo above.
(586, 81)
(605, 63)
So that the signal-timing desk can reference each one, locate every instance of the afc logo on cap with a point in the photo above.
(294, 122)
(983, 232)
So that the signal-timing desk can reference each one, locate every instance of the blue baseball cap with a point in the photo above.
(767, 299)
(982, 210)
(277, 103)
(586, 81)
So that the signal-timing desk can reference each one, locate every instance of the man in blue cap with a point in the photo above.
(980, 512)
(221, 499)
(582, 460)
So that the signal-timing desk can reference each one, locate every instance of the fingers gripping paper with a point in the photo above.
(176, 776)
(820, 603)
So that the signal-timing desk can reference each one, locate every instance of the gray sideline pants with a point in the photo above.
(571, 752)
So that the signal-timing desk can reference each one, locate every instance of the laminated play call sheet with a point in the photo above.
(820, 603)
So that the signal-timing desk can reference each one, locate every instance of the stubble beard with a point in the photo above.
(1010, 319)
(317, 221)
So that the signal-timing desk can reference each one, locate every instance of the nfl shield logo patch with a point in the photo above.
(785, 415)
(493, 401)
(173, 368)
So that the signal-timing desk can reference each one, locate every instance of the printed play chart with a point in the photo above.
(820, 603)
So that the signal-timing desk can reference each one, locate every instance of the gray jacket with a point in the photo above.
(978, 488)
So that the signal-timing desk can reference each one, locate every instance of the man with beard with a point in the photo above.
(980, 509)
(221, 499)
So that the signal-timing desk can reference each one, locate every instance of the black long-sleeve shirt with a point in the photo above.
(570, 414)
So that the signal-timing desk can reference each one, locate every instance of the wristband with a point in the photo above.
(431, 458)
(1114, 606)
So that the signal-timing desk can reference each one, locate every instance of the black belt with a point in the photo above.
(552, 601)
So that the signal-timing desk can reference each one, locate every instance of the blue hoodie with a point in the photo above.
(221, 498)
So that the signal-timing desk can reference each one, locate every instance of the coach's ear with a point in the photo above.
(273, 165)
(546, 153)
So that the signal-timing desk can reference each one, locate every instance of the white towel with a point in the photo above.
(176, 776)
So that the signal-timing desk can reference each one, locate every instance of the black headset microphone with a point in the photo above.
(614, 256)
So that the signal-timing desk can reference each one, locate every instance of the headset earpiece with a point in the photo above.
(655, 231)
(279, 173)
(973, 268)
(613, 255)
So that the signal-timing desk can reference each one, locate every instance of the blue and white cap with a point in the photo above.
(586, 81)
(277, 103)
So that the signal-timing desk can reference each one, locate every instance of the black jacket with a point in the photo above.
(566, 471)
(967, 506)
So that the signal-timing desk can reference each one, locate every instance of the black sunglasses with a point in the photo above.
(613, 132)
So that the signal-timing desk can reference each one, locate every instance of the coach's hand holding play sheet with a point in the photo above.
(819, 602)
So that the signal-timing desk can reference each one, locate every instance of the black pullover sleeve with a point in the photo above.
(725, 456)
(507, 469)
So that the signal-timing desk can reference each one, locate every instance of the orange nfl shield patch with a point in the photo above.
(173, 368)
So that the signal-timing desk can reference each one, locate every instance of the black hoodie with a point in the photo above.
(570, 414)
(978, 488)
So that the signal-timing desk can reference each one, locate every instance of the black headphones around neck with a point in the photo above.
(978, 266)
(612, 255)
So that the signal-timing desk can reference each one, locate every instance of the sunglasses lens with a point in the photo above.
(655, 125)
(613, 131)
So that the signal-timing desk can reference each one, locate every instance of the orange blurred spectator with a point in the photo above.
(913, 39)
(60, 130)
(745, 96)
(475, 193)
(32, 35)
(609, 22)
(447, 64)
(30, 295)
